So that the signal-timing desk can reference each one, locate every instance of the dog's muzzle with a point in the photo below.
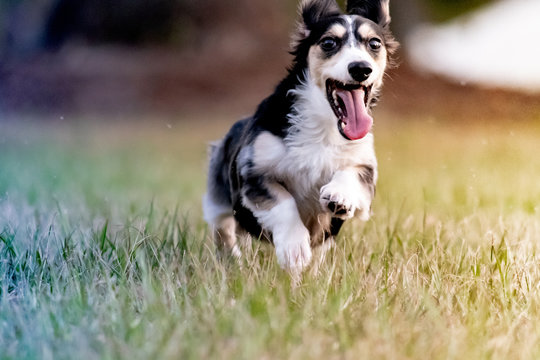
(349, 103)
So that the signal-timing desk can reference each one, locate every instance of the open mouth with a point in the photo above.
(349, 103)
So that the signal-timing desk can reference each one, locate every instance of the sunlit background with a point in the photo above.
(106, 110)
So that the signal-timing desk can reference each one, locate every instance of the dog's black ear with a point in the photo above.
(311, 13)
(314, 11)
(377, 11)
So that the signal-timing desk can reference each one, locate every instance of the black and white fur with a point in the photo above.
(291, 173)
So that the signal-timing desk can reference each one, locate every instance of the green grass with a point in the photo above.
(104, 255)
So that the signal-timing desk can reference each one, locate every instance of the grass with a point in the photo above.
(104, 255)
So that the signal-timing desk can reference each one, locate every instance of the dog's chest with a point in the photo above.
(305, 166)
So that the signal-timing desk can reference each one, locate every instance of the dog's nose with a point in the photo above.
(360, 70)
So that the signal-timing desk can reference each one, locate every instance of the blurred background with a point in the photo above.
(180, 58)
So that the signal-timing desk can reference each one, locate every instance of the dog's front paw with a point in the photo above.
(334, 202)
(293, 250)
(345, 207)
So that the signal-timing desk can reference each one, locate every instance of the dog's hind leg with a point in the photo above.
(221, 219)
(217, 204)
(225, 237)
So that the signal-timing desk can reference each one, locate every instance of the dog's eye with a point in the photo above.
(374, 44)
(328, 44)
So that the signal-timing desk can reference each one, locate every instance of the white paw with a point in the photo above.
(293, 250)
(343, 206)
(333, 201)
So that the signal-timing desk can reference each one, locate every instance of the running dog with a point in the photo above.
(304, 162)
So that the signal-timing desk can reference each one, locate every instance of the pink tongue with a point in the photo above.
(357, 123)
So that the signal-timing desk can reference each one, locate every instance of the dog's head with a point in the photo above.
(345, 56)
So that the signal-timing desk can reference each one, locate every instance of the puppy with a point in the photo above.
(304, 162)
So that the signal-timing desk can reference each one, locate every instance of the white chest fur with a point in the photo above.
(304, 164)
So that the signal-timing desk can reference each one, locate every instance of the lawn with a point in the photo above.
(104, 254)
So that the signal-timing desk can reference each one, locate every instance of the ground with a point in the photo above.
(104, 254)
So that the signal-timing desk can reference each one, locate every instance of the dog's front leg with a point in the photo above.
(350, 192)
(271, 203)
(276, 210)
